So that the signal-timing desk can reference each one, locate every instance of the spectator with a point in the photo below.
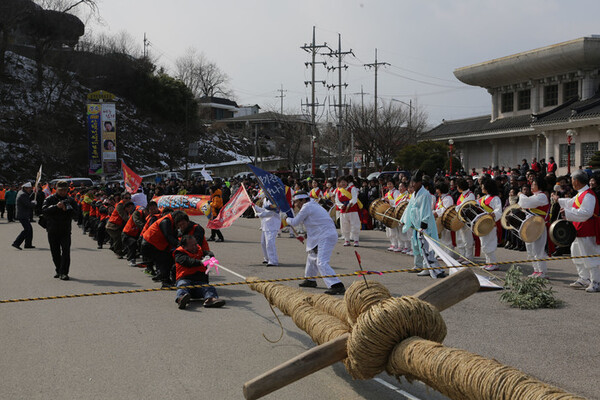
(24, 209)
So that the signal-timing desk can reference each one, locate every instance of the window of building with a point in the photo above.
(587, 152)
(562, 161)
(524, 99)
(507, 102)
(570, 90)
(550, 95)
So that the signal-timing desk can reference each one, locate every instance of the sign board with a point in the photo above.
(101, 95)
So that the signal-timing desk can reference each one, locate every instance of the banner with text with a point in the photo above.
(274, 189)
(94, 138)
(234, 208)
(191, 204)
(131, 180)
(109, 138)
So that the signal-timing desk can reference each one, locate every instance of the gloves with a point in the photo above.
(423, 225)
(209, 254)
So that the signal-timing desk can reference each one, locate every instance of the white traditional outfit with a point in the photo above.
(538, 204)
(418, 213)
(583, 210)
(464, 236)
(489, 242)
(444, 202)
(320, 241)
(270, 223)
(349, 219)
(393, 234)
(403, 237)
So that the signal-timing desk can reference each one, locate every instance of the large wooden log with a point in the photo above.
(442, 294)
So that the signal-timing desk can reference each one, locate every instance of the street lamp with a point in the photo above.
(410, 109)
(570, 134)
(450, 143)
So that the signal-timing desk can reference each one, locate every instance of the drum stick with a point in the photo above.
(387, 216)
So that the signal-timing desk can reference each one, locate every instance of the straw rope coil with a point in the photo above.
(403, 337)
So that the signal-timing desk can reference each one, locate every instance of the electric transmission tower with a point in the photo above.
(313, 49)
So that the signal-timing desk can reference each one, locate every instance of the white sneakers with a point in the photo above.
(580, 283)
(491, 267)
(594, 287)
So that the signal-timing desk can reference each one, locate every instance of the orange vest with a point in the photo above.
(2, 194)
(115, 218)
(154, 235)
(586, 228)
(131, 229)
(149, 221)
(181, 271)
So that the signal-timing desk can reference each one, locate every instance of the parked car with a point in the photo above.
(76, 182)
(387, 174)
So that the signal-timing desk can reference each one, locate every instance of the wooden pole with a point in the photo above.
(442, 295)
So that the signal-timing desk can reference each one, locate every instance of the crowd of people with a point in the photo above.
(174, 250)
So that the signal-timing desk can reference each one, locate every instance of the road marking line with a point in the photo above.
(396, 389)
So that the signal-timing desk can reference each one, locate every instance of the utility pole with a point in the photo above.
(376, 65)
(313, 49)
(281, 96)
(339, 54)
(362, 99)
(146, 45)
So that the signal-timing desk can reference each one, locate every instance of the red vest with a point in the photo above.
(551, 167)
(154, 235)
(181, 271)
(131, 229)
(115, 218)
(345, 199)
(149, 221)
(586, 228)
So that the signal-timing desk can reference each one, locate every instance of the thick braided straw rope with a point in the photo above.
(403, 337)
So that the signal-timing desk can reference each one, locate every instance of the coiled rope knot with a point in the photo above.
(381, 322)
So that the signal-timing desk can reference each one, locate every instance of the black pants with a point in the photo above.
(60, 247)
(130, 246)
(101, 233)
(26, 235)
(2, 208)
(116, 242)
(162, 259)
(10, 212)
(217, 232)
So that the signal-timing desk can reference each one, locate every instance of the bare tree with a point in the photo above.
(202, 76)
(396, 128)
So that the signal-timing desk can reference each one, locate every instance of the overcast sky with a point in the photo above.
(257, 43)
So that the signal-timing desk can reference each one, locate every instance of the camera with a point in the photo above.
(68, 207)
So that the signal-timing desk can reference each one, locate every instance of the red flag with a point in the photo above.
(131, 180)
(235, 207)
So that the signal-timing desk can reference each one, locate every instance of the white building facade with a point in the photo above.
(539, 98)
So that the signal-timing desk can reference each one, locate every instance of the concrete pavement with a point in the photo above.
(141, 346)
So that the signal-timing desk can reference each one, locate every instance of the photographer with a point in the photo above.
(58, 210)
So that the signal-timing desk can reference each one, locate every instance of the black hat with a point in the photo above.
(417, 176)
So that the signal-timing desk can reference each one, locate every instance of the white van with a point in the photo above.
(76, 182)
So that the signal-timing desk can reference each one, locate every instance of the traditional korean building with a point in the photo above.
(539, 99)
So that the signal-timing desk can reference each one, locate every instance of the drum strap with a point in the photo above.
(486, 207)
(538, 211)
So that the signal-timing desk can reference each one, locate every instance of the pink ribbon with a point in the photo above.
(212, 263)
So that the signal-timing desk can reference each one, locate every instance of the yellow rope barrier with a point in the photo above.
(356, 273)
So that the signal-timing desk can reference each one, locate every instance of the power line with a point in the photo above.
(281, 95)
(376, 66)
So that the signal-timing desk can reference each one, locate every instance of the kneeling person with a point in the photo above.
(190, 270)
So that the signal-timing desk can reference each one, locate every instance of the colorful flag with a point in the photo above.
(191, 204)
(131, 180)
(46, 190)
(235, 207)
(206, 175)
(274, 189)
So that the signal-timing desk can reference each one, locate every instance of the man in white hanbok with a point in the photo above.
(270, 222)
(583, 210)
(321, 237)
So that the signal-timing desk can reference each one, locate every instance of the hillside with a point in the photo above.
(47, 127)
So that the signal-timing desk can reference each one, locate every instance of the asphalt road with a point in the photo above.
(136, 346)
